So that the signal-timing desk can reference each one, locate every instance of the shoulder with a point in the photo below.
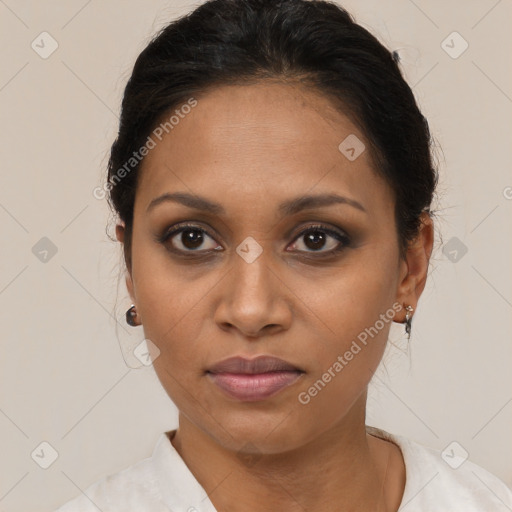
(446, 481)
(135, 486)
(160, 483)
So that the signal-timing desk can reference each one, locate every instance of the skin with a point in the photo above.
(249, 148)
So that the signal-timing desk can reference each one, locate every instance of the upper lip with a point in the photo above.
(260, 364)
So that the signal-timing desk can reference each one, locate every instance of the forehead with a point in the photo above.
(241, 145)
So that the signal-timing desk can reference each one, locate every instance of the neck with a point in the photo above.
(344, 468)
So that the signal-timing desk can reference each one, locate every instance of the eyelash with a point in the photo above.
(342, 238)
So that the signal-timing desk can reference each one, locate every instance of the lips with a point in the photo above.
(253, 379)
(261, 364)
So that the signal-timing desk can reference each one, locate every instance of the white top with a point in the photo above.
(163, 483)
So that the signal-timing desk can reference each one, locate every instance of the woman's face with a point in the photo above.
(247, 279)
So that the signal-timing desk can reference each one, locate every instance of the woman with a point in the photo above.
(273, 181)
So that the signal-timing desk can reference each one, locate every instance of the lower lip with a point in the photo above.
(253, 387)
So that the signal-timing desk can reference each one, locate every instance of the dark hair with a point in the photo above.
(313, 42)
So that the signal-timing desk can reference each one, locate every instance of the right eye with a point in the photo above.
(187, 238)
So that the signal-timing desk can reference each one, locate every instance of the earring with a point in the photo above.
(408, 320)
(131, 316)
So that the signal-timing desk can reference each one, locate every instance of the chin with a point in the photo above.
(260, 432)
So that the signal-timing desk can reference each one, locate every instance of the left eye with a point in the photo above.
(316, 238)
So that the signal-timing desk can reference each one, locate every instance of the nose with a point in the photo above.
(254, 299)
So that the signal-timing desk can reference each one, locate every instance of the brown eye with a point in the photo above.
(189, 239)
(316, 238)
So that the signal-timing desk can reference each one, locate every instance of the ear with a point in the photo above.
(414, 270)
(128, 277)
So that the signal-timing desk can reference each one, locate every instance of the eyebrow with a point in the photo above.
(289, 207)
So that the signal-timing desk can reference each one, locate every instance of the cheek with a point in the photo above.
(173, 312)
(355, 296)
(354, 312)
(172, 303)
(343, 362)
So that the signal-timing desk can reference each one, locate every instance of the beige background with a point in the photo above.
(64, 379)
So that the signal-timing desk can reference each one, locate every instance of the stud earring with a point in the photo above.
(408, 320)
(131, 317)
